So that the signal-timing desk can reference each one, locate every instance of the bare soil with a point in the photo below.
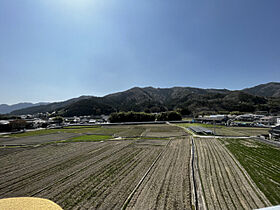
(31, 140)
(95, 175)
(224, 182)
(167, 186)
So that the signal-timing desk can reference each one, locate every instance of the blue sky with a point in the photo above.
(52, 50)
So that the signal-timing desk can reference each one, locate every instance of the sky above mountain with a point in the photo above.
(58, 49)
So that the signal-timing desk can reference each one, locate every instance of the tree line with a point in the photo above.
(144, 117)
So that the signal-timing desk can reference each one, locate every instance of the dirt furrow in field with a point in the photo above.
(229, 188)
(40, 157)
(203, 170)
(52, 163)
(167, 186)
(164, 194)
(253, 194)
(168, 157)
(93, 185)
(242, 184)
(211, 178)
(65, 184)
(125, 182)
(210, 199)
(28, 184)
(216, 179)
(103, 180)
(222, 189)
(224, 183)
(45, 173)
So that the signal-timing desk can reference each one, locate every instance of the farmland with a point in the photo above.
(224, 183)
(168, 185)
(261, 161)
(98, 174)
(138, 167)
(230, 131)
(93, 133)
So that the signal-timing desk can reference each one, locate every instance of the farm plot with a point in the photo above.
(104, 130)
(225, 184)
(96, 175)
(240, 131)
(162, 130)
(31, 140)
(229, 131)
(167, 186)
(94, 133)
(261, 161)
(153, 131)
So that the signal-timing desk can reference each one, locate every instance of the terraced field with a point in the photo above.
(225, 184)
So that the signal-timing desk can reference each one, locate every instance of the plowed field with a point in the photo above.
(168, 184)
(89, 175)
(225, 184)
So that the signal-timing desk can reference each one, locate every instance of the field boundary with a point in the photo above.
(197, 184)
(265, 141)
(142, 179)
(257, 190)
(192, 178)
(197, 197)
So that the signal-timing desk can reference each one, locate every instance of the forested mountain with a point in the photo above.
(271, 89)
(186, 99)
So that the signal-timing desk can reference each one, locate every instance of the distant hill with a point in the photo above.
(271, 89)
(48, 107)
(4, 108)
(186, 99)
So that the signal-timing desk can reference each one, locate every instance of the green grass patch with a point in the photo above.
(34, 133)
(261, 161)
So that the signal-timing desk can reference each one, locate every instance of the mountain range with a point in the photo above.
(189, 100)
(5, 108)
(271, 89)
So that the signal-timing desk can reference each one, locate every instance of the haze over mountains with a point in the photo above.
(5, 108)
(265, 97)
